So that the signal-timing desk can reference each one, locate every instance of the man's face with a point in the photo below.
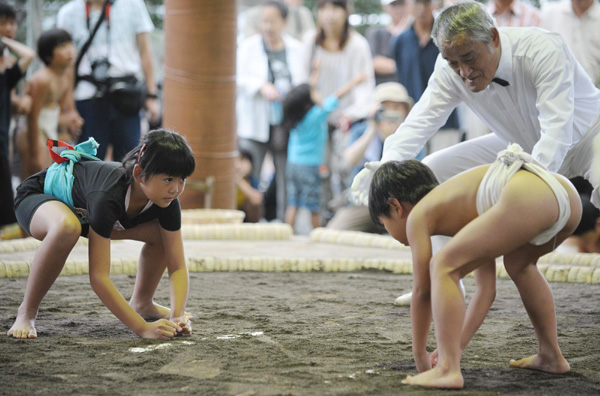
(472, 60)
(8, 27)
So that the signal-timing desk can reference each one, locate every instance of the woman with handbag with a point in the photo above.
(269, 64)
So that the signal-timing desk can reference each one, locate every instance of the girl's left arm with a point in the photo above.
(99, 258)
(177, 269)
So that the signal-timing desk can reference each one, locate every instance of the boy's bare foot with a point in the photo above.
(554, 366)
(436, 378)
(154, 311)
(23, 328)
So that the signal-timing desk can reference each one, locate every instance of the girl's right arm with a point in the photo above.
(99, 258)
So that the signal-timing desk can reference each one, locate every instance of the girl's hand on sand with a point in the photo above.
(184, 323)
(162, 329)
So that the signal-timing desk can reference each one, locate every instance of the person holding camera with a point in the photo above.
(114, 74)
(391, 105)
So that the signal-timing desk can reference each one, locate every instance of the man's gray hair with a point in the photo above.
(468, 18)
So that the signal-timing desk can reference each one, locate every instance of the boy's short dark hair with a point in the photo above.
(280, 5)
(407, 181)
(6, 11)
(49, 40)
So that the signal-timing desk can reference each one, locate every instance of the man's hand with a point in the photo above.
(362, 183)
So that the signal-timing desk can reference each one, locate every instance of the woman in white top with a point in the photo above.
(268, 65)
(342, 54)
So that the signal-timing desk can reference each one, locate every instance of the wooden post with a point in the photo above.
(199, 91)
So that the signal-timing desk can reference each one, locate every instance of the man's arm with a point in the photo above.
(552, 74)
(145, 48)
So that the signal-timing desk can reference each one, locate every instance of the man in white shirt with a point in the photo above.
(524, 83)
(120, 50)
(577, 22)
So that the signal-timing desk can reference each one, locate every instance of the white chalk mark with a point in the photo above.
(150, 348)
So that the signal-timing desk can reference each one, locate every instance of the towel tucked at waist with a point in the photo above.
(509, 162)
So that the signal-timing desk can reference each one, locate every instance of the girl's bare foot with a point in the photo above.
(554, 366)
(23, 328)
(154, 311)
(436, 378)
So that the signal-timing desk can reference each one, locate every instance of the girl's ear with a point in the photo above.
(137, 172)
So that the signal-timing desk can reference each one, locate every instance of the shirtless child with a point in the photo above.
(512, 208)
(48, 88)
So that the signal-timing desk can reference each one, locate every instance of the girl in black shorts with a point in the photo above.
(134, 200)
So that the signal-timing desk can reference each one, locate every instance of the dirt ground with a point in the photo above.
(283, 334)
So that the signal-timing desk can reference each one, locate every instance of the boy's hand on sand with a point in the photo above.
(184, 323)
(162, 329)
(362, 183)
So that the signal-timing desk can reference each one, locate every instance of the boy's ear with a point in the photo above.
(395, 205)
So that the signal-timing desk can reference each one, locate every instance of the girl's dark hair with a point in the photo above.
(321, 33)
(407, 181)
(281, 7)
(295, 106)
(161, 151)
(49, 40)
(7, 11)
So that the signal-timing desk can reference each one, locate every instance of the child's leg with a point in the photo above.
(539, 303)
(315, 219)
(499, 230)
(59, 229)
(290, 215)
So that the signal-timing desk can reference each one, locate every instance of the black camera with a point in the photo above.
(100, 69)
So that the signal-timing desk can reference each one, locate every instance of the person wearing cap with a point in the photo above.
(390, 107)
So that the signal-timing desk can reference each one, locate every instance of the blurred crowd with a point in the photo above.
(316, 99)
(282, 47)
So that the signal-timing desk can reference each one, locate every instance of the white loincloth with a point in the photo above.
(48, 122)
(509, 162)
